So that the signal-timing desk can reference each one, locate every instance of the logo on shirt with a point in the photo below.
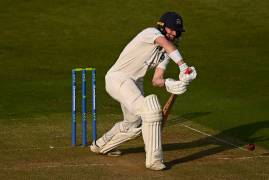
(160, 57)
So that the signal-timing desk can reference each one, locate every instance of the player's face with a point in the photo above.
(170, 34)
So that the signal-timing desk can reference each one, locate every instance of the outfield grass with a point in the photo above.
(41, 41)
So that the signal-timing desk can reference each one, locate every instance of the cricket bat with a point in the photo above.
(167, 107)
(169, 103)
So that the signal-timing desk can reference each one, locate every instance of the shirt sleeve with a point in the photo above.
(150, 34)
(164, 63)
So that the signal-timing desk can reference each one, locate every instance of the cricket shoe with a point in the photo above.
(96, 149)
(157, 166)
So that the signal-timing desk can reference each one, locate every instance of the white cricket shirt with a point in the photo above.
(140, 55)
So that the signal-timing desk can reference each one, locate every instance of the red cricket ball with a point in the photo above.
(251, 147)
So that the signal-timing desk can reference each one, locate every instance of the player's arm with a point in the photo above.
(174, 54)
(171, 85)
(170, 49)
(158, 77)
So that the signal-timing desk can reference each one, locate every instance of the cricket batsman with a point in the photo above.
(152, 48)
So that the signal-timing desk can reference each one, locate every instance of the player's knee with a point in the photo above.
(151, 110)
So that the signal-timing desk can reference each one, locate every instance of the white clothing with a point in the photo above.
(140, 55)
(126, 91)
(124, 82)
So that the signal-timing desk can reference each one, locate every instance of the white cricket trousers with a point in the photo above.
(129, 93)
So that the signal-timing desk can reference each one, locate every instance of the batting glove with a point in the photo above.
(175, 87)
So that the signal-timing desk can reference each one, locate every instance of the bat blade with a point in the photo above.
(167, 107)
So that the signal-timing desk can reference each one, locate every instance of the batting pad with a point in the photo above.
(151, 130)
(153, 144)
(120, 138)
